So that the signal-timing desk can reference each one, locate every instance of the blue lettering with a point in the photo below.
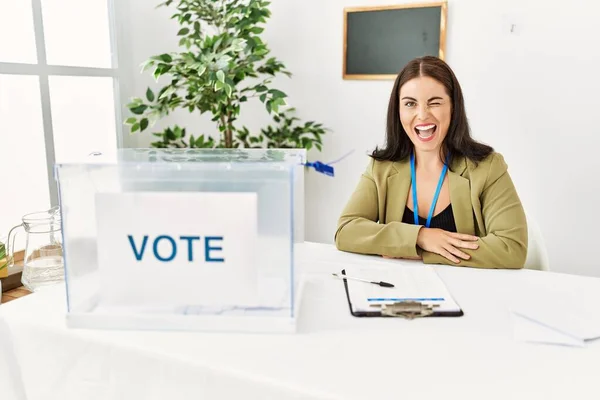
(189, 239)
(168, 255)
(173, 247)
(138, 254)
(208, 248)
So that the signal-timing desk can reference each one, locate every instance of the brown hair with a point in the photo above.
(458, 141)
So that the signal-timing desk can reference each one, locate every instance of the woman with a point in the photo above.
(434, 193)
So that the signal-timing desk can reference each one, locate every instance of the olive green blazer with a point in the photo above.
(484, 203)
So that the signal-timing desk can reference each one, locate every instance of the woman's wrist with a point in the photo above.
(420, 237)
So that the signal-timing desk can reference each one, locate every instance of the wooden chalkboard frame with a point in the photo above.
(347, 10)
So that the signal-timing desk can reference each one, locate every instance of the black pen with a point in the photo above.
(380, 283)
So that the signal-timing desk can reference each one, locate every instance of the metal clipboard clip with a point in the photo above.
(406, 309)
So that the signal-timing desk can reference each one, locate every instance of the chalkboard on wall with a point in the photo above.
(379, 41)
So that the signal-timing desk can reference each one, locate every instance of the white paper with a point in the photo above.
(561, 319)
(150, 281)
(559, 313)
(411, 282)
(527, 330)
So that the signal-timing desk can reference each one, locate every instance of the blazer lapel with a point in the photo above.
(460, 197)
(397, 192)
(398, 185)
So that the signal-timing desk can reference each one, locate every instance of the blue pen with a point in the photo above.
(405, 299)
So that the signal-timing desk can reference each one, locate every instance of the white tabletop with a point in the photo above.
(333, 355)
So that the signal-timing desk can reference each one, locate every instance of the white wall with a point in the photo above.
(532, 94)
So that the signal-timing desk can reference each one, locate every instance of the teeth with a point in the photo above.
(425, 127)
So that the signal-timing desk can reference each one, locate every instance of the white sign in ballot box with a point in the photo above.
(182, 239)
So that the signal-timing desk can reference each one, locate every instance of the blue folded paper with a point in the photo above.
(326, 168)
(320, 167)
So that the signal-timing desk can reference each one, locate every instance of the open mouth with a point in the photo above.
(425, 132)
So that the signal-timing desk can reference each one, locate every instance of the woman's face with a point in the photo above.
(425, 112)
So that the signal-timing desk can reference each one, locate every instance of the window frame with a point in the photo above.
(43, 71)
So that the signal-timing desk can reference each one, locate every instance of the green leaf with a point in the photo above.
(178, 132)
(131, 120)
(166, 58)
(169, 135)
(217, 43)
(157, 72)
(276, 103)
(146, 65)
(168, 92)
(256, 30)
(263, 97)
(219, 85)
(143, 124)
(196, 26)
(136, 101)
(277, 93)
(261, 52)
(149, 95)
(221, 76)
(139, 110)
(201, 142)
(183, 31)
(164, 4)
(135, 127)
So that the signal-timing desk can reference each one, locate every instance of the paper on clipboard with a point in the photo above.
(416, 283)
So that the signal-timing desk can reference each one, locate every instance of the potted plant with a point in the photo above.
(223, 63)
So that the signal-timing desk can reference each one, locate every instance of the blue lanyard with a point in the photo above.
(414, 190)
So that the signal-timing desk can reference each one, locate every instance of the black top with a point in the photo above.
(444, 220)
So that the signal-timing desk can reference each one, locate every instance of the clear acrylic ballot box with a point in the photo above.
(182, 239)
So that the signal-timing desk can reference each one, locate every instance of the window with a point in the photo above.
(59, 97)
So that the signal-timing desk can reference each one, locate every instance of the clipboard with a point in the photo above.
(409, 309)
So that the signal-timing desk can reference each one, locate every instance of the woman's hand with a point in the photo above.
(446, 244)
